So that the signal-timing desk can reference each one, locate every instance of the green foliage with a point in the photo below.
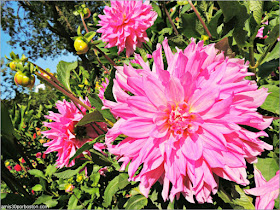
(136, 202)
(268, 167)
(118, 183)
(63, 72)
(272, 101)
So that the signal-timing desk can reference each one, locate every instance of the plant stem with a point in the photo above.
(262, 57)
(79, 201)
(200, 19)
(170, 20)
(70, 95)
(94, 46)
(252, 58)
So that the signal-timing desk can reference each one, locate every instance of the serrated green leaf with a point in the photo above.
(272, 101)
(238, 15)
(63, 72)
(213, 24)
(244, 200)
(51, 203)
(257, 8)
(268, 167)
(136, 202)
(37, 173)
(189, 22)
(50, 170)
(273, 35)
(118, 183)
(85, 147)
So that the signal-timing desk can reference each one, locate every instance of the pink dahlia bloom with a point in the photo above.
(183, 124)
(266, 192)
(124, 24)
(66, 138)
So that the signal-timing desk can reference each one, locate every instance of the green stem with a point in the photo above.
(170, 20)
(70, 95)
(200, 19)
(94, 46)
(263, 56)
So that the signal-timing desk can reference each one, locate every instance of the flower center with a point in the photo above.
(124, 17)
(181, 121)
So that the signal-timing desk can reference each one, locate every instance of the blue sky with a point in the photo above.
(44, 63)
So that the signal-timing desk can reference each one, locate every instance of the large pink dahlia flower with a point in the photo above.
(124, 24)
(66, 138)
(183, 124)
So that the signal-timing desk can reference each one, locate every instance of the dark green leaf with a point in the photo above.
(63, 72)
(85, 147)
(189, 22)
(136, 202)
(94, 116)
(266, 68)
(156, 8)
(273, 35)
(7, 127)
(108, 94)
(238, 16)
(97, 103)
(118, 183)
(272, 101)
(213, 24)
(70, 172)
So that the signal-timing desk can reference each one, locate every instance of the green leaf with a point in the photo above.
(156, 8)
(266, 68)
(63, 72)
(94, 116)
(273, 35)
(244, 200)
(118, 183)
(235, 18)
(50, 170)
(69, 173)
(97, 103)
(7, 128)
(189, 22)
(79, 31)
(43, 199)
(37, 173)
(51, 203)
(73, 201)
(257, 8)
(272, 101)
(86, 146)
(99, 158)
(108, 94)
(213, 24)
(88, 36)
(37, 187)
(136, 202)
(268, 167)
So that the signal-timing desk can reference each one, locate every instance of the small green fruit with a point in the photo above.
(81, 46)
